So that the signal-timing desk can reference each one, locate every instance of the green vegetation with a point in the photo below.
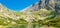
(41, 18)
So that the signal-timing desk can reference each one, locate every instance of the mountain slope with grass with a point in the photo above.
(34, 14)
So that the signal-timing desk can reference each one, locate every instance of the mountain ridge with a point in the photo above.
(42, 15)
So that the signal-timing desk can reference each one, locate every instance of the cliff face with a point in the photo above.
(48, 4)
(57, 6)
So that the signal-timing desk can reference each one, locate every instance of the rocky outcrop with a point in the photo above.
(49, 4)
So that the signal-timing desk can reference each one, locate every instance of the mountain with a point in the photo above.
(31, 8)
(28, 14)
(4, 11)
(47, 4)
(41, 13)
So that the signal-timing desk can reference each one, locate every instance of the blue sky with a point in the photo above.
(17, 4)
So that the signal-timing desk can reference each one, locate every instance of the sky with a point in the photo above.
(17, 5)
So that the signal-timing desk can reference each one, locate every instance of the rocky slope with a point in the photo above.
(4, 11)
(47, 4)
(35, 13)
